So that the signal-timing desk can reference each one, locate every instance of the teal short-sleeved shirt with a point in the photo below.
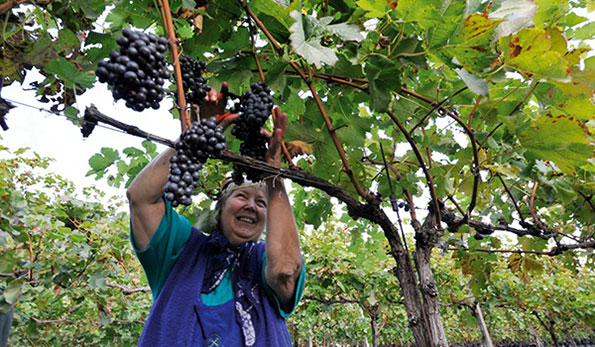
(168, 243)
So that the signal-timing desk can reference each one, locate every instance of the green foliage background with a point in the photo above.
(70, 263)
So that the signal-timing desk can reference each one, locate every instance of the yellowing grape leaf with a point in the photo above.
(536, 52)
(558, 139)
(472, 47)
(373, 8)
(298, 147)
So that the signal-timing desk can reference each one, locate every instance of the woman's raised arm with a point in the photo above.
(283, 255)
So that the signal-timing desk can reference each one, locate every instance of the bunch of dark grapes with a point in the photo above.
(404, 206)
(5, 106)
(195, 86)
(137, 71)
(254, 109)
(88, 124)
(203, 140)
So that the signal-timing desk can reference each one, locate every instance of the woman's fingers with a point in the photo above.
(224, 89)
(215, 102)
(266, 133)
(280, 121)
(273, 155)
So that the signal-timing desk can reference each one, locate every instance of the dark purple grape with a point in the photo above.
(254, 108)
(191, 153)
(135, 69)
(122, 41)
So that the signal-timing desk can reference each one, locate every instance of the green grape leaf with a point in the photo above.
(13, 291)
(68, 73)
(475, 84)
(515, 14)
(189, 4)
(373, 8)
(383, 76)
(585, 32)
(309, 47)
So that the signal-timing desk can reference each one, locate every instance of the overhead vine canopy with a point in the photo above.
(484, 109)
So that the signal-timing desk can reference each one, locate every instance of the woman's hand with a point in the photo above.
(215, 103)
(273, 155)
(214, 106)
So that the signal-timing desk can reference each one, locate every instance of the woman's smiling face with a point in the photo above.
(243, 215)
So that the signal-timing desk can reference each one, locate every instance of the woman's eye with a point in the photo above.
(262, 203)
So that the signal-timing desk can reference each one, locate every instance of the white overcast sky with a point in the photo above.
(54, 136)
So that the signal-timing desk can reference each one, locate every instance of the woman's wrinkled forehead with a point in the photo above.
(230, 187)
(259, 188)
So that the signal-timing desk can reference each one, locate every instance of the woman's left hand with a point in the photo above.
(273, 155)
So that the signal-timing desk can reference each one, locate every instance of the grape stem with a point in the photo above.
(5, 7)
(175, 57)
(422, 166)
(332, 131)
(261, 72)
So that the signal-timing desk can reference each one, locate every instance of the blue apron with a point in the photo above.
(218, 326)
(180, 318)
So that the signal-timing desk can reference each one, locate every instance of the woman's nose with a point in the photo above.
(250, 205)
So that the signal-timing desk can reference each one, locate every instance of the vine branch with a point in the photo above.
(92, 114)
(532, 202)
(422, 165)
(516, 206)
(588, 200)
(175, 58)
(329, 125)
(536, 230)
(126, 290)
(470, 133)
(498, 251)
(253, 42)
(331, 301)
(474, 110)
(435, 106)
(10, 4)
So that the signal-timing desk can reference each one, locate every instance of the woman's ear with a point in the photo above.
(218, 218)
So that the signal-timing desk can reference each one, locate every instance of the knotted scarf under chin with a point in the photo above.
(224, 257)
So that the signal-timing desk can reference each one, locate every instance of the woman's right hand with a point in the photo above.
(215, 103)
(214, 106)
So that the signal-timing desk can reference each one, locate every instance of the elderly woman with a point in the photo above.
(224, 288)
